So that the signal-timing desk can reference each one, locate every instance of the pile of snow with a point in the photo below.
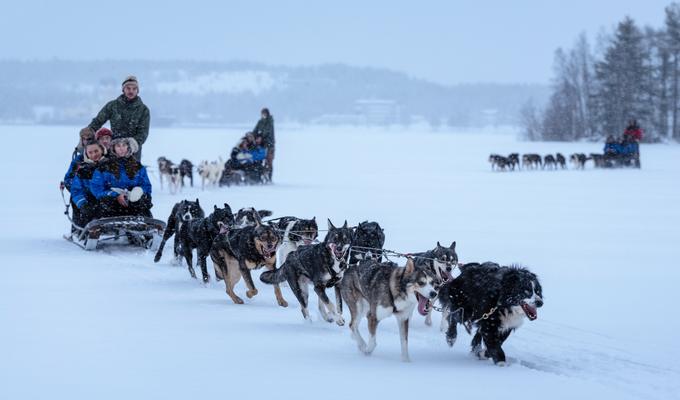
(112, 324)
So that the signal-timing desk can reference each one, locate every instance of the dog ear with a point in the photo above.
(215, 207)
(438, 245)
(196, 200)
(330, 224)
(345, 224)
(453, 245)
(314, 218)
(410, 266)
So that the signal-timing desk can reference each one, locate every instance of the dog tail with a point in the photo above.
(264, 213)
(274, 277)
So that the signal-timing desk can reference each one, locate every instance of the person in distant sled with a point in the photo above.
(246, 162)
(121, 184)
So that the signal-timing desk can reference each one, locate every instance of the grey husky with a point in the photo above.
(378, 290)
(441, 261)
(322, 265)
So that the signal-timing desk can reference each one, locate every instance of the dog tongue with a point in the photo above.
(447, 275)
(422, 304)
(530, 311)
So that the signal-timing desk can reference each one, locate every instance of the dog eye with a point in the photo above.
(421, 283)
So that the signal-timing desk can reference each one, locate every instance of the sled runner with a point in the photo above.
(128, 230)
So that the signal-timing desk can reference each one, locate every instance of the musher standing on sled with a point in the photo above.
(265, 129)
(128, 115)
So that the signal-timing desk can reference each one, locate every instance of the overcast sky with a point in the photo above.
(443, 41)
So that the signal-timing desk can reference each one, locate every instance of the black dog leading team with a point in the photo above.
(106, 179)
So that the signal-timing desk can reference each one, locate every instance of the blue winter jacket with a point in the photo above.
(80, 185)
(72, 169)
(103, 180)
(258, 153)
(612, 148)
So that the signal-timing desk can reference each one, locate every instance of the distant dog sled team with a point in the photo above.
(107, 180)
(622, 152)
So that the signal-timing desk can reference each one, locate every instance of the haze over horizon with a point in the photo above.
(437, 41)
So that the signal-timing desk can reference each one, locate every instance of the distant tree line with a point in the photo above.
(634, 74)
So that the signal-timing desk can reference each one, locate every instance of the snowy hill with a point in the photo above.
(191, 93)
(112, 324)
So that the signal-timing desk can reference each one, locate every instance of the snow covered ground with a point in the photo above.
(112, 324)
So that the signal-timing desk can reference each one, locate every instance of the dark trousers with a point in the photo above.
(269, 162)
(109, 207)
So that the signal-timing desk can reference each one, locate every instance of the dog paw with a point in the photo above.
(340, 321)
(251, 293)
(481, 354)
(450, 341)
(237, 300)
(405, 359)
(501, 364)
(283, 303)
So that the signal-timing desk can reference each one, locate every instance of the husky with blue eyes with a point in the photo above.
(493, 299)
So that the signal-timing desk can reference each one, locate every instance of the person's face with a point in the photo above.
(130, 91)
(263, 115)
(85, 139)
(94, 152)
(258, 140)
(105, 141)
(121, 149)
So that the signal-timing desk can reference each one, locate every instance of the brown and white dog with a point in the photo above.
(238, 251)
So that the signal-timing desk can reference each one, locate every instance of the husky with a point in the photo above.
(210, 172)
(200, 233)
(531, 161)
(238, 251)
(369, 239)
(495, 299)
(295, 232)
(549, 162)
(322, 265)
(560, 160)
(498, 162)
(598, 160)
(186, 169)
(513, 160)
(441, 261)
(175, 179)
(579, 160)
(164, 170)
(181, 213)
(378, 290)
(249, 216)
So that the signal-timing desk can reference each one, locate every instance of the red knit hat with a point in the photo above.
(103, 132)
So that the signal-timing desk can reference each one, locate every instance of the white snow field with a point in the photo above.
(112, 324)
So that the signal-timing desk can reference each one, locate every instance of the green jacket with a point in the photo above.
(265, 128)
(128, 118)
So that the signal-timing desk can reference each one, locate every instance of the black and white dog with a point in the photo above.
(495, 299)
(238, 251)
(200, 233)
(440, 261)
(295, 232)
(322, 265)
(248, 216)
(579, 160)
(186, 169)
(181, 213)
(369, 239)
(560, 160)
(378, 290)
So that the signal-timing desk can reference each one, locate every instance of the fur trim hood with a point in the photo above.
(133, 147)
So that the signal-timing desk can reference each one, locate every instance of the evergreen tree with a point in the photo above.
(624, 77)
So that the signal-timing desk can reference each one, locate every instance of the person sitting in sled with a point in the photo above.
(121, 184)
(104, 136)
(86, 135)
(85, 204)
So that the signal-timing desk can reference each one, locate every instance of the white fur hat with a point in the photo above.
(131, 142)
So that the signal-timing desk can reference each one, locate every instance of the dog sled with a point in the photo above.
(131, 230)
(251, 174)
